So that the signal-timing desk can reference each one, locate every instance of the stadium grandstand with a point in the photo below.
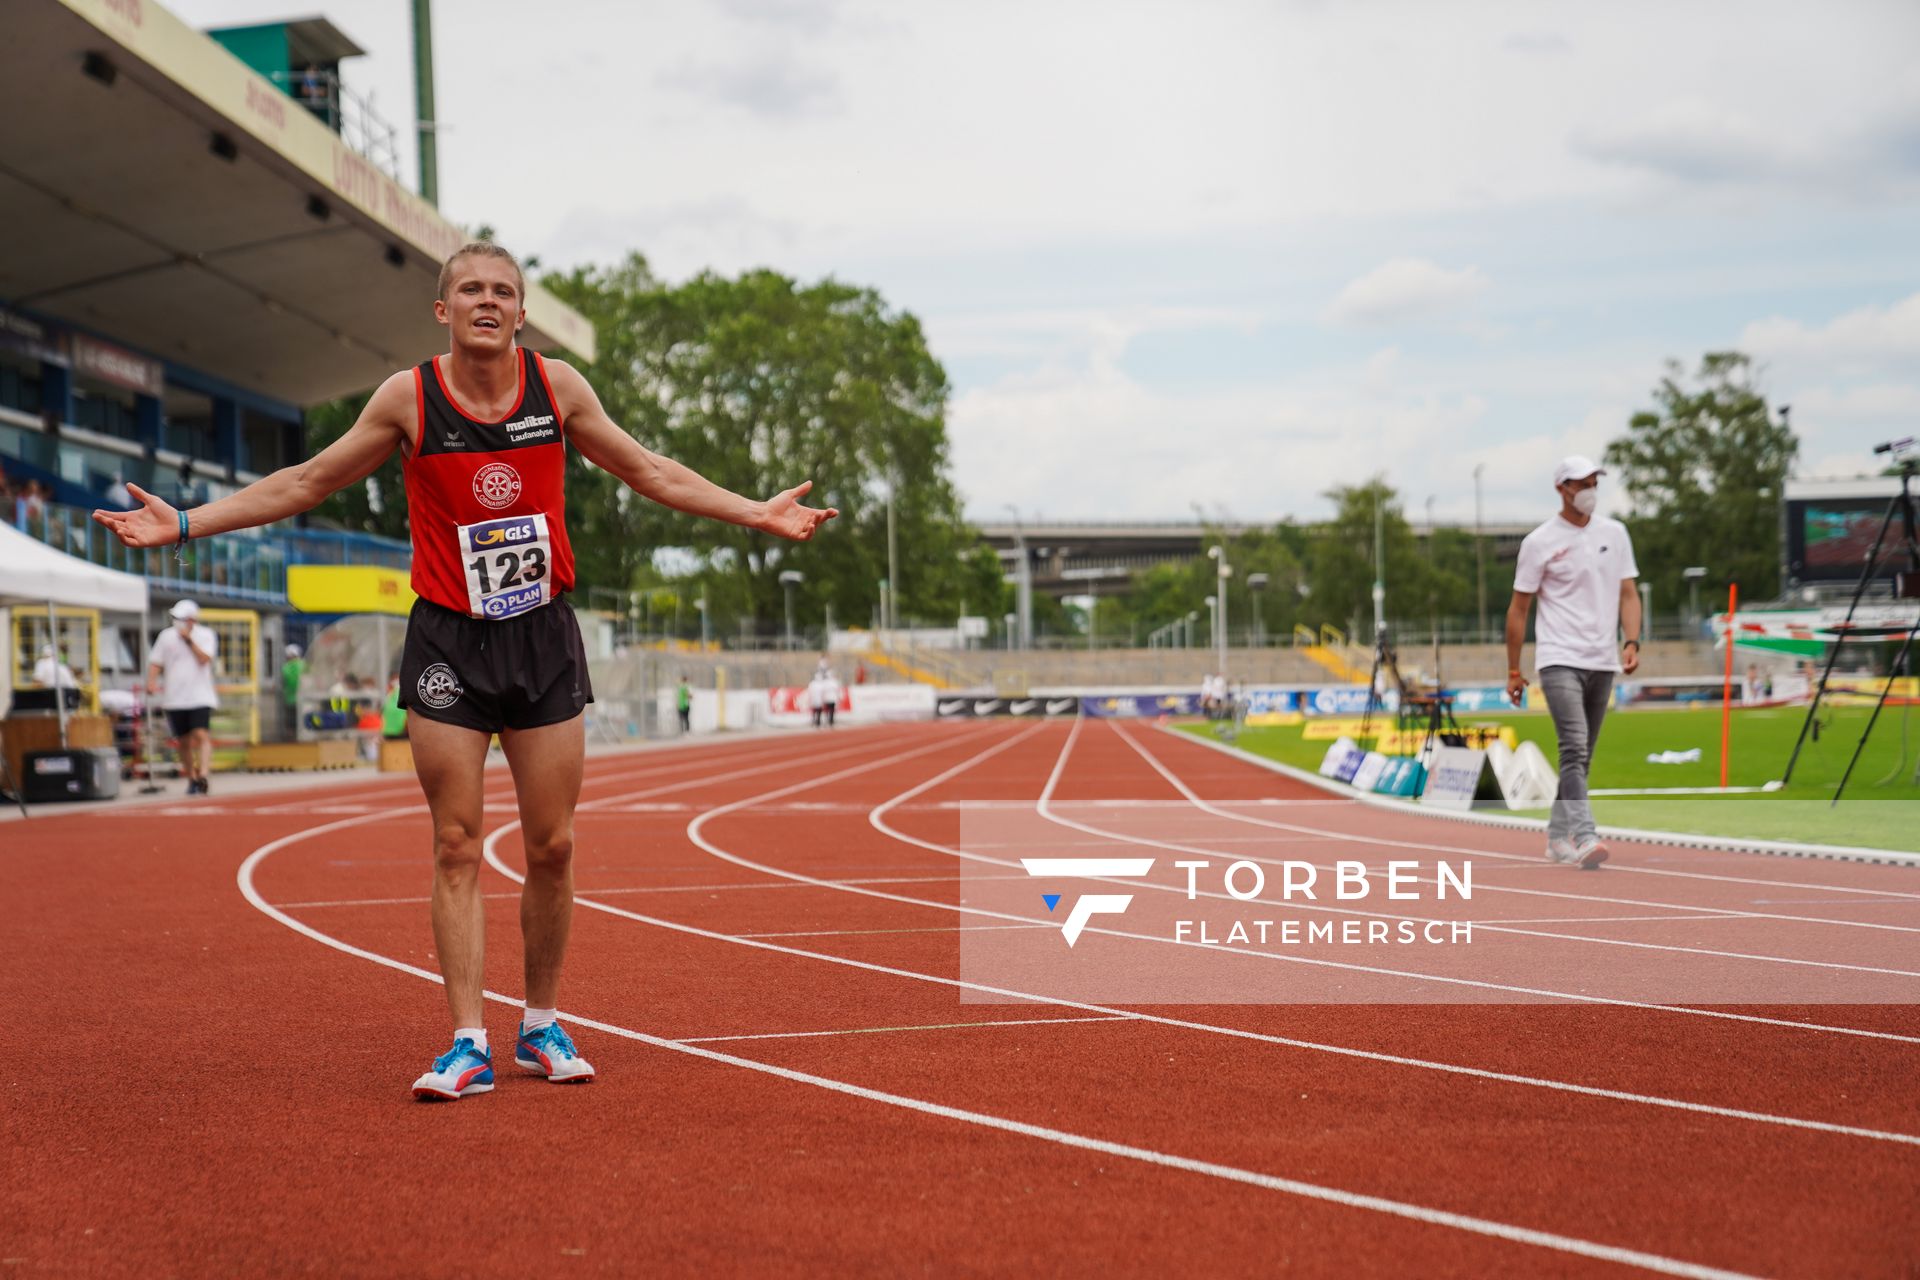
(206, 237)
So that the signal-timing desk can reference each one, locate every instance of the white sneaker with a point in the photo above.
(1560, 849)
(1590, 853)
(549, 1052)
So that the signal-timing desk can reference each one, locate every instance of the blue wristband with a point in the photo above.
(183, 528)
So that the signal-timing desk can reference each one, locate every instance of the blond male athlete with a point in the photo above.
(491, 646)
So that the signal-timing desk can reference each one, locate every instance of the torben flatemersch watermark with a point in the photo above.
(1299, 881)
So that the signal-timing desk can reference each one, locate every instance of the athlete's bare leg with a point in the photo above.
(203, 751)
(546, 764)
(451, 763)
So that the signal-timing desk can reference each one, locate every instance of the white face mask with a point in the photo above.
(1586, 500)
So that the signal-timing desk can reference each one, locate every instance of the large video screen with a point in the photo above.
(1828, 539)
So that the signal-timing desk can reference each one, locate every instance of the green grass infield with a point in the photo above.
(1881, 808)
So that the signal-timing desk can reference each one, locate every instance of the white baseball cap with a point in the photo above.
(1575, 467)
(293, 651)
(185, 609)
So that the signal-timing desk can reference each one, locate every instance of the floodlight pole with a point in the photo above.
(425, 121)
(1479, 551)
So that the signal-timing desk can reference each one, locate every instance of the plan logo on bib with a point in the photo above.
(1088, 905)
(496, 485)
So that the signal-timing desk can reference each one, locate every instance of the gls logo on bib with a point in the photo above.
(512, 532)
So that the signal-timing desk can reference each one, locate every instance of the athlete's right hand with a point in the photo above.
(154, 523)
(785, 516)
(1516, 688)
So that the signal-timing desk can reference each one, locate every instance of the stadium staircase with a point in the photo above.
(1329, 649)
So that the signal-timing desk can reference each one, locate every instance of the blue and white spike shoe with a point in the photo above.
(549, 1052)
(461, 1070)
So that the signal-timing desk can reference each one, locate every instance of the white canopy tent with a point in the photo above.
(35, 575)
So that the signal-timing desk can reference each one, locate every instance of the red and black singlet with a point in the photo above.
(486, 499)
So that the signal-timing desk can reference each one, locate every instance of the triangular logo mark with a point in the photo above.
(1051, 899)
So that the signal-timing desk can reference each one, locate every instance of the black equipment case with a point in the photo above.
(83, 773)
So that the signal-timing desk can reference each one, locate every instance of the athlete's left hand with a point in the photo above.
(786, 517)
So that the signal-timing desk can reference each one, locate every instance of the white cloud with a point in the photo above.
(770, 87)
(1403, 290)
(1695, 141)
(1861, 341)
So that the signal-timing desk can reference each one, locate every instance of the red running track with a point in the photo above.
(224, 1006)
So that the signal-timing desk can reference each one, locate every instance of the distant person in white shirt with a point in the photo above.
(1581, 568)
(51, 673)
(182, 664)
(823, 695)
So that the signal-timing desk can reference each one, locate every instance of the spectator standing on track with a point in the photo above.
(491, 647)
(182, 664)
(292, 667)
(829, 696)
(683, 703)
(1581, 568)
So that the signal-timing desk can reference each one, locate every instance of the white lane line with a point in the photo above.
(1481, 924)
(1683, 849)
(1289, 1186)
(1522, 859)
(1412, 975)
(492, 853)
(940, 929)
(873, 1031)
(1731, 913)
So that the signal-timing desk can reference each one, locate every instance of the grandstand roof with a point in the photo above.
(156, 190)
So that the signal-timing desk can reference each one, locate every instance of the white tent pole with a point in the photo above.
(145, 720)
(59, 694)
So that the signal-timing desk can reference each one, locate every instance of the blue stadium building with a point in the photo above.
(205, 236)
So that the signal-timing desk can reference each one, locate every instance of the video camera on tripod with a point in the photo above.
(1905, 453)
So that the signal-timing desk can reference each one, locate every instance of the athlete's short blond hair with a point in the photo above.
(480, 249)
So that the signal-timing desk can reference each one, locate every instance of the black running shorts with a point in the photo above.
(516, 673)
(185, 720)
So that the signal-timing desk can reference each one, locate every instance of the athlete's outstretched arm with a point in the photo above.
(288, 491)
(666, 481)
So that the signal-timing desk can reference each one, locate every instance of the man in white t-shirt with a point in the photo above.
(1581, 568)
(182, 664)
(51, 672)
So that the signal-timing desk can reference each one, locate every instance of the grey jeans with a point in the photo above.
(1577, 700)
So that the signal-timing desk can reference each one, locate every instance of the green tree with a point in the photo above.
(758, 382)
(376, 505)
(1705, 470)
(1340, 566)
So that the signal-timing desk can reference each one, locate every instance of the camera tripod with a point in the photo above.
(1906, 585)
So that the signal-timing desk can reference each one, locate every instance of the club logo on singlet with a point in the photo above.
(496, 485)
(439, 688)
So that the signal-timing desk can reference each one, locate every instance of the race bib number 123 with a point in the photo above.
(508, 565)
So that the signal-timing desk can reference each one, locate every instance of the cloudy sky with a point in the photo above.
(1216, 254)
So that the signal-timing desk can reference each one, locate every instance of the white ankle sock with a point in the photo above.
(538, 1018)
(476, 1034)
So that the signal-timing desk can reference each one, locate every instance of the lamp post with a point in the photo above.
(1186, 638)
(1023, 579)
(789, 579)
(1257, 586)
(701, 605)
(1225, 571)
(1692, 574)
(1009, 620)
